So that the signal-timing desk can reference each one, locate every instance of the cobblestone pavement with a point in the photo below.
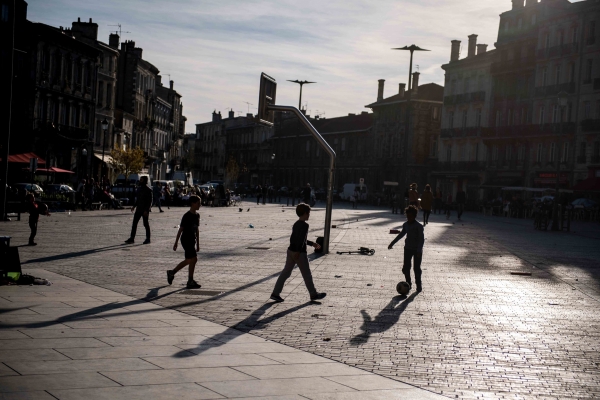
(476, 331)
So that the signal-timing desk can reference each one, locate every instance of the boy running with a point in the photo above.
(413, 246)
(296, 254)
(190, 241)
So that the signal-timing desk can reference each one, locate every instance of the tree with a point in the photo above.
(128, 161)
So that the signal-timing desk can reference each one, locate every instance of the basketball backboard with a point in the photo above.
(268, 89)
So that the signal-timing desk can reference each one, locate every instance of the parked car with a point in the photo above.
(28, 187)
(59, 189)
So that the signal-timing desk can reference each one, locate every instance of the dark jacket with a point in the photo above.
(298, 238)
(144, 199)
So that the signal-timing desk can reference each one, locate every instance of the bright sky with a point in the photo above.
(215, 50)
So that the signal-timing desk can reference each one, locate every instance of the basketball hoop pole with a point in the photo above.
(331, 153)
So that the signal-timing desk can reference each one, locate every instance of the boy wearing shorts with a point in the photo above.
(413, 246)
(296, 254)
(190, 241)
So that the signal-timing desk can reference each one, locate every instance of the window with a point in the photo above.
(476, 158)
(589, 65)
(574, 32)
(508, 153)
(565, 153)
(540, 149)
(509, 117)
(478, 117)
(572, 72)
(557, 75)
(544, 75)
(449, 153)
(435, 113)
(591, 33)
(542, 115)
(523, 116)
(343, 144)
(109, 101)
(101, 93)
(433, 149)
(4, 13)
(521, 153)
(587, 109)
(547, 41)
(464, 119)
(451, 119)
(463, 152)
(494, 153)
(582, 152)
(560, 38)
(555, 114)
(552, 152)
(498, 117)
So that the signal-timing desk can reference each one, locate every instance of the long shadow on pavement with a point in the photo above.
(76, 254)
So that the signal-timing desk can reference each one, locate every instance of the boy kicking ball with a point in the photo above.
(190, 241)
(296, 254)
(413, 246)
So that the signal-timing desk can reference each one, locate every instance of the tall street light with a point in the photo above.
(563, 99)
(412, 49)
(301, 83)
(104, 128)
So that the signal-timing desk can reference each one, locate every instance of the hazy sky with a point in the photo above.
(215, 50)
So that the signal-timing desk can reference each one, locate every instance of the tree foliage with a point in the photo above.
(127, 161)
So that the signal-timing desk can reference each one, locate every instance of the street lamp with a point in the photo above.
(563, 99)
(301, 83)
(104, 128)
(412, 49)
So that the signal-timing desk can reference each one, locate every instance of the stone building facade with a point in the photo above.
(545, 99)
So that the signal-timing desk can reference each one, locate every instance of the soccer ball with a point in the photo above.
(402, 288)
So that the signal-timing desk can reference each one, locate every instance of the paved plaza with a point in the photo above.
(476, 331)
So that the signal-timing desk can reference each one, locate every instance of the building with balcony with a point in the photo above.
(390, 127)
(542, 106)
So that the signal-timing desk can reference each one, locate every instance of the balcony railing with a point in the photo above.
(553, 90)
(590, 125)
(518, 131)
(557, 51)
(464, 98)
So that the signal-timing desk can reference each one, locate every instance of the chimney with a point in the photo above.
(215, 116)
(113, 40)
(517, 4)
(481, 48)
(171, 84)
(380, 90)
(88, 30)
(472, 45)
(454, 54)
(231, 113)
(249, 115)
(415, 83)
(402, 89)
(138, 52)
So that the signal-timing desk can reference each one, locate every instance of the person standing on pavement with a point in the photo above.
(296, 254)
(167, 196)
(34, 211)
(413, 196)
(258, 194)
(306, 194)
(426, 204)
(395, 203)
(156, 195)
(413, 246)
(189, 232)
(461, 199)
(141, 207)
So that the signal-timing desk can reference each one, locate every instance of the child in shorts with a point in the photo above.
(296, 254)
(189, 232)
(413, 246)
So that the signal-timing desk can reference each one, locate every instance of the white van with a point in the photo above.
(349, 189)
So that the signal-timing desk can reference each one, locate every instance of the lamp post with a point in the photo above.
(301, 83)
(562, 103)
(104, 128)
(404, 173)
(84, 155)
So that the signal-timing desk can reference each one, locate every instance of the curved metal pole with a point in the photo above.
(331, 153)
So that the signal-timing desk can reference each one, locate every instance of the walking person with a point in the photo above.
(461, 199)
(189, 233)
(296, 254)
(356, 199)
(34, 210)
(413, 246)
(395, 203)
(448, 205)
(156, 195)
(426, 204)
(167, 196)
(306, 194)
(413, 196)
(141, 207)
(81, 194)
(258, 194)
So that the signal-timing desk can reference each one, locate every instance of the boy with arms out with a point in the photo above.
(190, 241)
(413, 246)
(296, 254)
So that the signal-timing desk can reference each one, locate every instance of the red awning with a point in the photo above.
(55, 170)
(24, 158)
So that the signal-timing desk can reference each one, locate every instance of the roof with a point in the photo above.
(427, 92)
(349, 123)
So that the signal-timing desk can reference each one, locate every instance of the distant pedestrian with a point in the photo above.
(296, 254)
(306, 192)
(426, 204)
(141, 207)
(461, 199)
(413, 196)
(413, 246)
(189, 233)
(258, 194)
(168, 196)
(395, 201)
(34, 209)
(448, 205)
(156, 195)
